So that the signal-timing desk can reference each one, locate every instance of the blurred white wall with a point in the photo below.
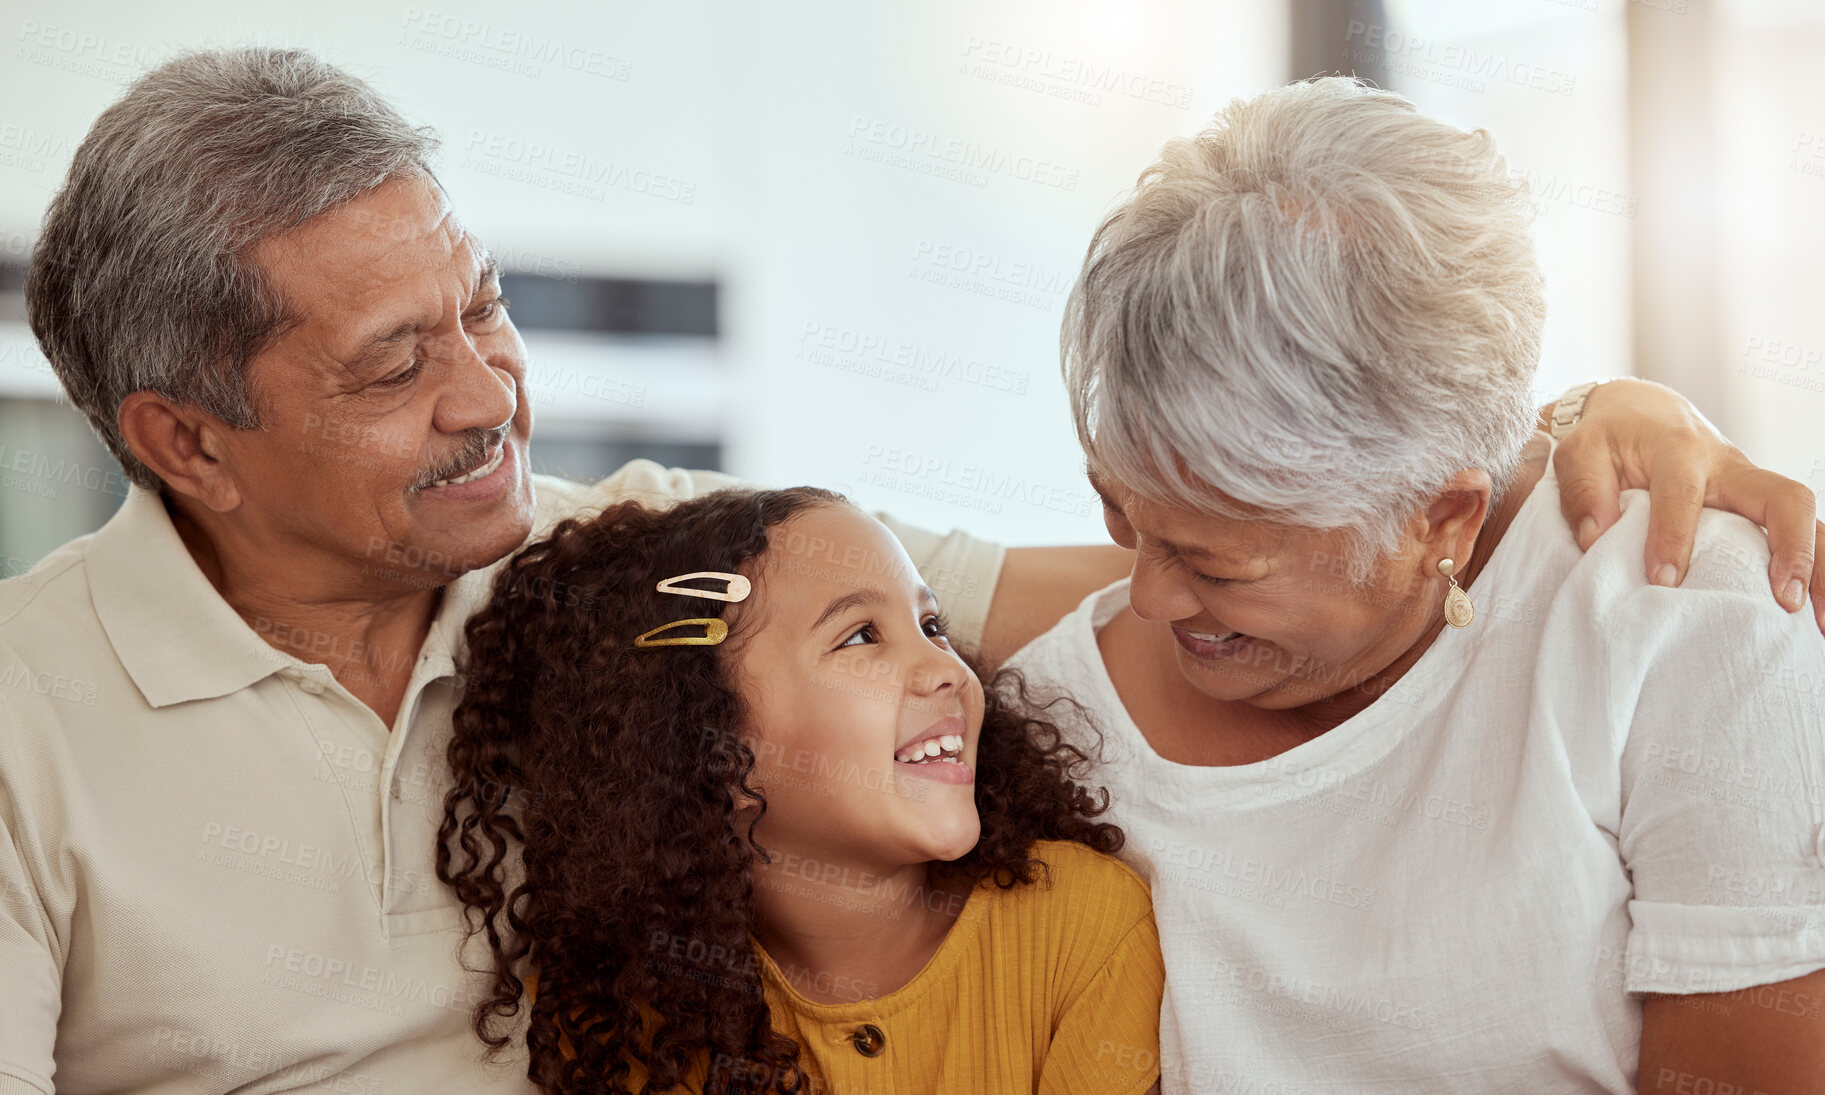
(1769, 126)
(912, 193)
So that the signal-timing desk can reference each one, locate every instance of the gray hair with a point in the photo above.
(142, 278)
(1323, 306)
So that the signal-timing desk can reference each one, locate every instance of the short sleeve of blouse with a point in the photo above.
(1723, 777)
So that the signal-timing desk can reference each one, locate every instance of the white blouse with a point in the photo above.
(1600, 788)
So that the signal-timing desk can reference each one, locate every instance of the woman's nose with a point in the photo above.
(1156, 595)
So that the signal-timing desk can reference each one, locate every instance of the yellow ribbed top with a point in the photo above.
(1050, 988)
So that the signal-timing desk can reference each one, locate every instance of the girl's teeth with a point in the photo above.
(947, 746)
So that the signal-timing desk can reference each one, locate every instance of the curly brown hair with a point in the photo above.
(617, 776)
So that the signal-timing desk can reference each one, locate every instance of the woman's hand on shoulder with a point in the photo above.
(1636, 434)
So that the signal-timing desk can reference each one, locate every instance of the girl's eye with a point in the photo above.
(865, 629)
(935, 626)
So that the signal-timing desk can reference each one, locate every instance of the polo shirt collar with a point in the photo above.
(176, 636)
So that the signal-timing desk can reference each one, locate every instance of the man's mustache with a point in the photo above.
(477, 444)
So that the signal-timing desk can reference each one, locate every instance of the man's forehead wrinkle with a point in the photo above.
(481, 260)
(400, 283)
(384, 262)
(453, 238)
(359, 278)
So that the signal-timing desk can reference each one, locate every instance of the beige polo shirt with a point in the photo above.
(216, 865)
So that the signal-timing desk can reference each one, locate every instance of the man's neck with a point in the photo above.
(368, 636)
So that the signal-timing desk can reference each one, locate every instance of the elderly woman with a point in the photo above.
(1429, 799)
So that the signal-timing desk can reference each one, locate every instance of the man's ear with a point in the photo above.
(183, 444)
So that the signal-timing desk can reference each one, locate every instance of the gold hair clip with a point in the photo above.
(714, 630)
(738, 586)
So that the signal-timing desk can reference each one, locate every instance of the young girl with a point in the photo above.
(728, 798)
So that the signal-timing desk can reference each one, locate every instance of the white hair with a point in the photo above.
(1322, 306)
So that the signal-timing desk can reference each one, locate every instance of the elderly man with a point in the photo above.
(217, 871)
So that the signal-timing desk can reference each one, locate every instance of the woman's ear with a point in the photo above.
(1448, 526)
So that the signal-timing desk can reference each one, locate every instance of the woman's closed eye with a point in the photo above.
(1198, 575)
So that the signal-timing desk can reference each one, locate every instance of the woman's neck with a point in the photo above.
(1332, 711)
(843, 932)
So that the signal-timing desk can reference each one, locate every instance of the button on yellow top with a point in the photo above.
(1051, 988)
(870, 1040)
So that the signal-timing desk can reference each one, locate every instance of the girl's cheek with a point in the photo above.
(975, 706)
(849, 666)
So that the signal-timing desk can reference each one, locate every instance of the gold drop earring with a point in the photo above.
(1458, 609)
